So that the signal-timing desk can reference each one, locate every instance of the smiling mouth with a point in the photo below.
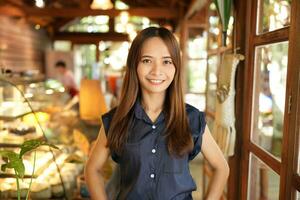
(155, 81)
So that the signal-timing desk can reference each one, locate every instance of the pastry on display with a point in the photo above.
(8, 138)
(5, 188)
(23, 189)
(22, 129)
(56, 186)
(40, 191)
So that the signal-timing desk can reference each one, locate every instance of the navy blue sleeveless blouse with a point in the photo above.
(147, 170)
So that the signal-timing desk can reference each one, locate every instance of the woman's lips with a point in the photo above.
(155, 81)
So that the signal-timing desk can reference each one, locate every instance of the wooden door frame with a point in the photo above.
(234, 181)
(290, 181)
(287, 166)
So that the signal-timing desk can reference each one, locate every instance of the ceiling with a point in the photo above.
(58, 13)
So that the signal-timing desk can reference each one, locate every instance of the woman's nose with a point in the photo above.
(156, 68)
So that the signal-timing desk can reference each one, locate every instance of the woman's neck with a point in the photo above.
(153, 103)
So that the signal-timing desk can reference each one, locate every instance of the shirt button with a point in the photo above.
(152, 175)
(153, 151)
(153, 127)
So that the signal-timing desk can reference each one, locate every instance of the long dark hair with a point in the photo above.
(178, 136)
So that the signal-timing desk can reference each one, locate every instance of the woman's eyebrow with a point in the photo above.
(146, 56)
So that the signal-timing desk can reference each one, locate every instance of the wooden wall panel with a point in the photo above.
(21, 46)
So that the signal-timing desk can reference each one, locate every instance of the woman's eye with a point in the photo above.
(145, 61)
(167, 62)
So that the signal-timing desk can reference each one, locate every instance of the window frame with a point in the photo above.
(287, 167)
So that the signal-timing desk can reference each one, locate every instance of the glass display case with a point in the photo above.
(36, 109)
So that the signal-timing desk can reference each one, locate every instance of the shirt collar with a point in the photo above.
(140, 113)
(138, 109)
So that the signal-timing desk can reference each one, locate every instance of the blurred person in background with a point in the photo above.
(66, 77)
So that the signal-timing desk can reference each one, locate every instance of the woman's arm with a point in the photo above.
(214, 156)
(94, 165)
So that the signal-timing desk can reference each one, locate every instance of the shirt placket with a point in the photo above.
(153, 154)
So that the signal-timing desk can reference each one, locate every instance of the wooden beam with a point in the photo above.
(58, 24)
(84, 3)
(140, 3)
(42, 21)
(200, 16)
(11, 11)
(90, 38)
(194, 6)
(173, 2)
(15, 2)
(16, 11)
(193, 24)
(156, 13)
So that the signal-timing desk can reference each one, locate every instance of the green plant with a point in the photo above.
(224, 10)
(14, 161)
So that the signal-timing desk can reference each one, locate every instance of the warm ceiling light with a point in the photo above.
(37, 26)
(40, 3)
(102, 4)
(124, 17)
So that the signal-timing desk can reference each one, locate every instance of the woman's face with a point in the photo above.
(155, 69)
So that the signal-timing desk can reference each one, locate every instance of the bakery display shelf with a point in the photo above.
(40, 166)
(16, 145)
(14, 116)
(13, 176)
(47, 163)
(7, 145)
(21, 80)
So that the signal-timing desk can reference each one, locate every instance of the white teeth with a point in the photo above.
(156, 81)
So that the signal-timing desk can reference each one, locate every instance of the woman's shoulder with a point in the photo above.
(191, 110)
(107, 118)
(197, 125)
(196, 119)
(110, 113)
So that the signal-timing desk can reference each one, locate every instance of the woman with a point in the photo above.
(153, 134)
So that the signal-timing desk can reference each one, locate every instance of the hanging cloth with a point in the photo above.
(224, 126)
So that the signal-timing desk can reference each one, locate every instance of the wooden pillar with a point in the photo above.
(234, 181)
(290, 179)
(111, 21)
(111, 24)
(97, 52)
(183, 46)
